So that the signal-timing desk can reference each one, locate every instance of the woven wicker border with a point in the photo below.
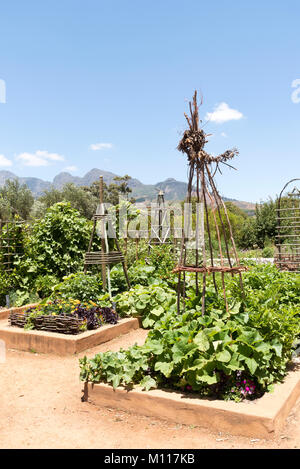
(61, 324)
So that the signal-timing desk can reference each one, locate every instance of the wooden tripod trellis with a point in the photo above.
(104, 257)
(202, 169)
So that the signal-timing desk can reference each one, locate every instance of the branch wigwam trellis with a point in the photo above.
(202, 170)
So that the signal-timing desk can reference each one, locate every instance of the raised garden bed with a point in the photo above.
(62, 344)
(65, 317)
(262, 418)
(62, 327)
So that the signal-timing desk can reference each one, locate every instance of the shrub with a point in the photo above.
(163, 260)
(268, 252)
(141, 274)
(117, 279)
(44, 285)
(57, 244)
(79, 286)
(5, 286)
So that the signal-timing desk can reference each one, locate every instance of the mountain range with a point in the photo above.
(173, 189)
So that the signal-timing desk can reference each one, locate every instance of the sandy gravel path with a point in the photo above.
(40, 407)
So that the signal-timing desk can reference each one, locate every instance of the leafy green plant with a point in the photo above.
(44, 285)
(117, 279)
(268, 251)
(23, 297)
(212, 355)
(141, 274)
(57, 243)
(6, 283)
(226, 355)
(150, 303)
(163, 259)
(80, 286)
(266, 286)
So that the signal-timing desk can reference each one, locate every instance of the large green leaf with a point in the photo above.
(202, 341)
(235, 363)
(148, 383)
(277, 347)
(158, 311)
(208, 379)
(165, 368)
(250, 337)
(251, 364)
(154, 347)
(223, 356)
(148, 322)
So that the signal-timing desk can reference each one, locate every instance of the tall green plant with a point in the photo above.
(57, 243)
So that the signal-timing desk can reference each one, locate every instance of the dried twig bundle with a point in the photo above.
(200, 167)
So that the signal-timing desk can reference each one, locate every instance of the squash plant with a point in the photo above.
(219, 355)
(151, 302)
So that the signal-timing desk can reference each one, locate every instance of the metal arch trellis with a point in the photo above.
(288, 228)
(202, 169)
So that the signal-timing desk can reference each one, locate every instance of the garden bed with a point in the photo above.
(62, 344)
(262, 418)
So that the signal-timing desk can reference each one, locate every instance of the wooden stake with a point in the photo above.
(103, 266)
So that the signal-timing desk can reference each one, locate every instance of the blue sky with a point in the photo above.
(105, 84)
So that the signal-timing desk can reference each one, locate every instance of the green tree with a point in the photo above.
(79, 199)
(247, 236)
(265, 222)
(15, 200)
(113, 191)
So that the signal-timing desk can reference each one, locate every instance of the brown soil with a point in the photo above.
(41, 407)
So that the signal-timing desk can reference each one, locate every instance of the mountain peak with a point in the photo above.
(174, 190)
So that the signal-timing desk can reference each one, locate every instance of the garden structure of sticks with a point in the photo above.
(200, 167)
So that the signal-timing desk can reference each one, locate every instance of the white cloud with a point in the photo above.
(50, 156)
(296, 93)
(223, 134)
(39, 158)
(71, 168)
(223, 113)
(100, 146)
(4, 161)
